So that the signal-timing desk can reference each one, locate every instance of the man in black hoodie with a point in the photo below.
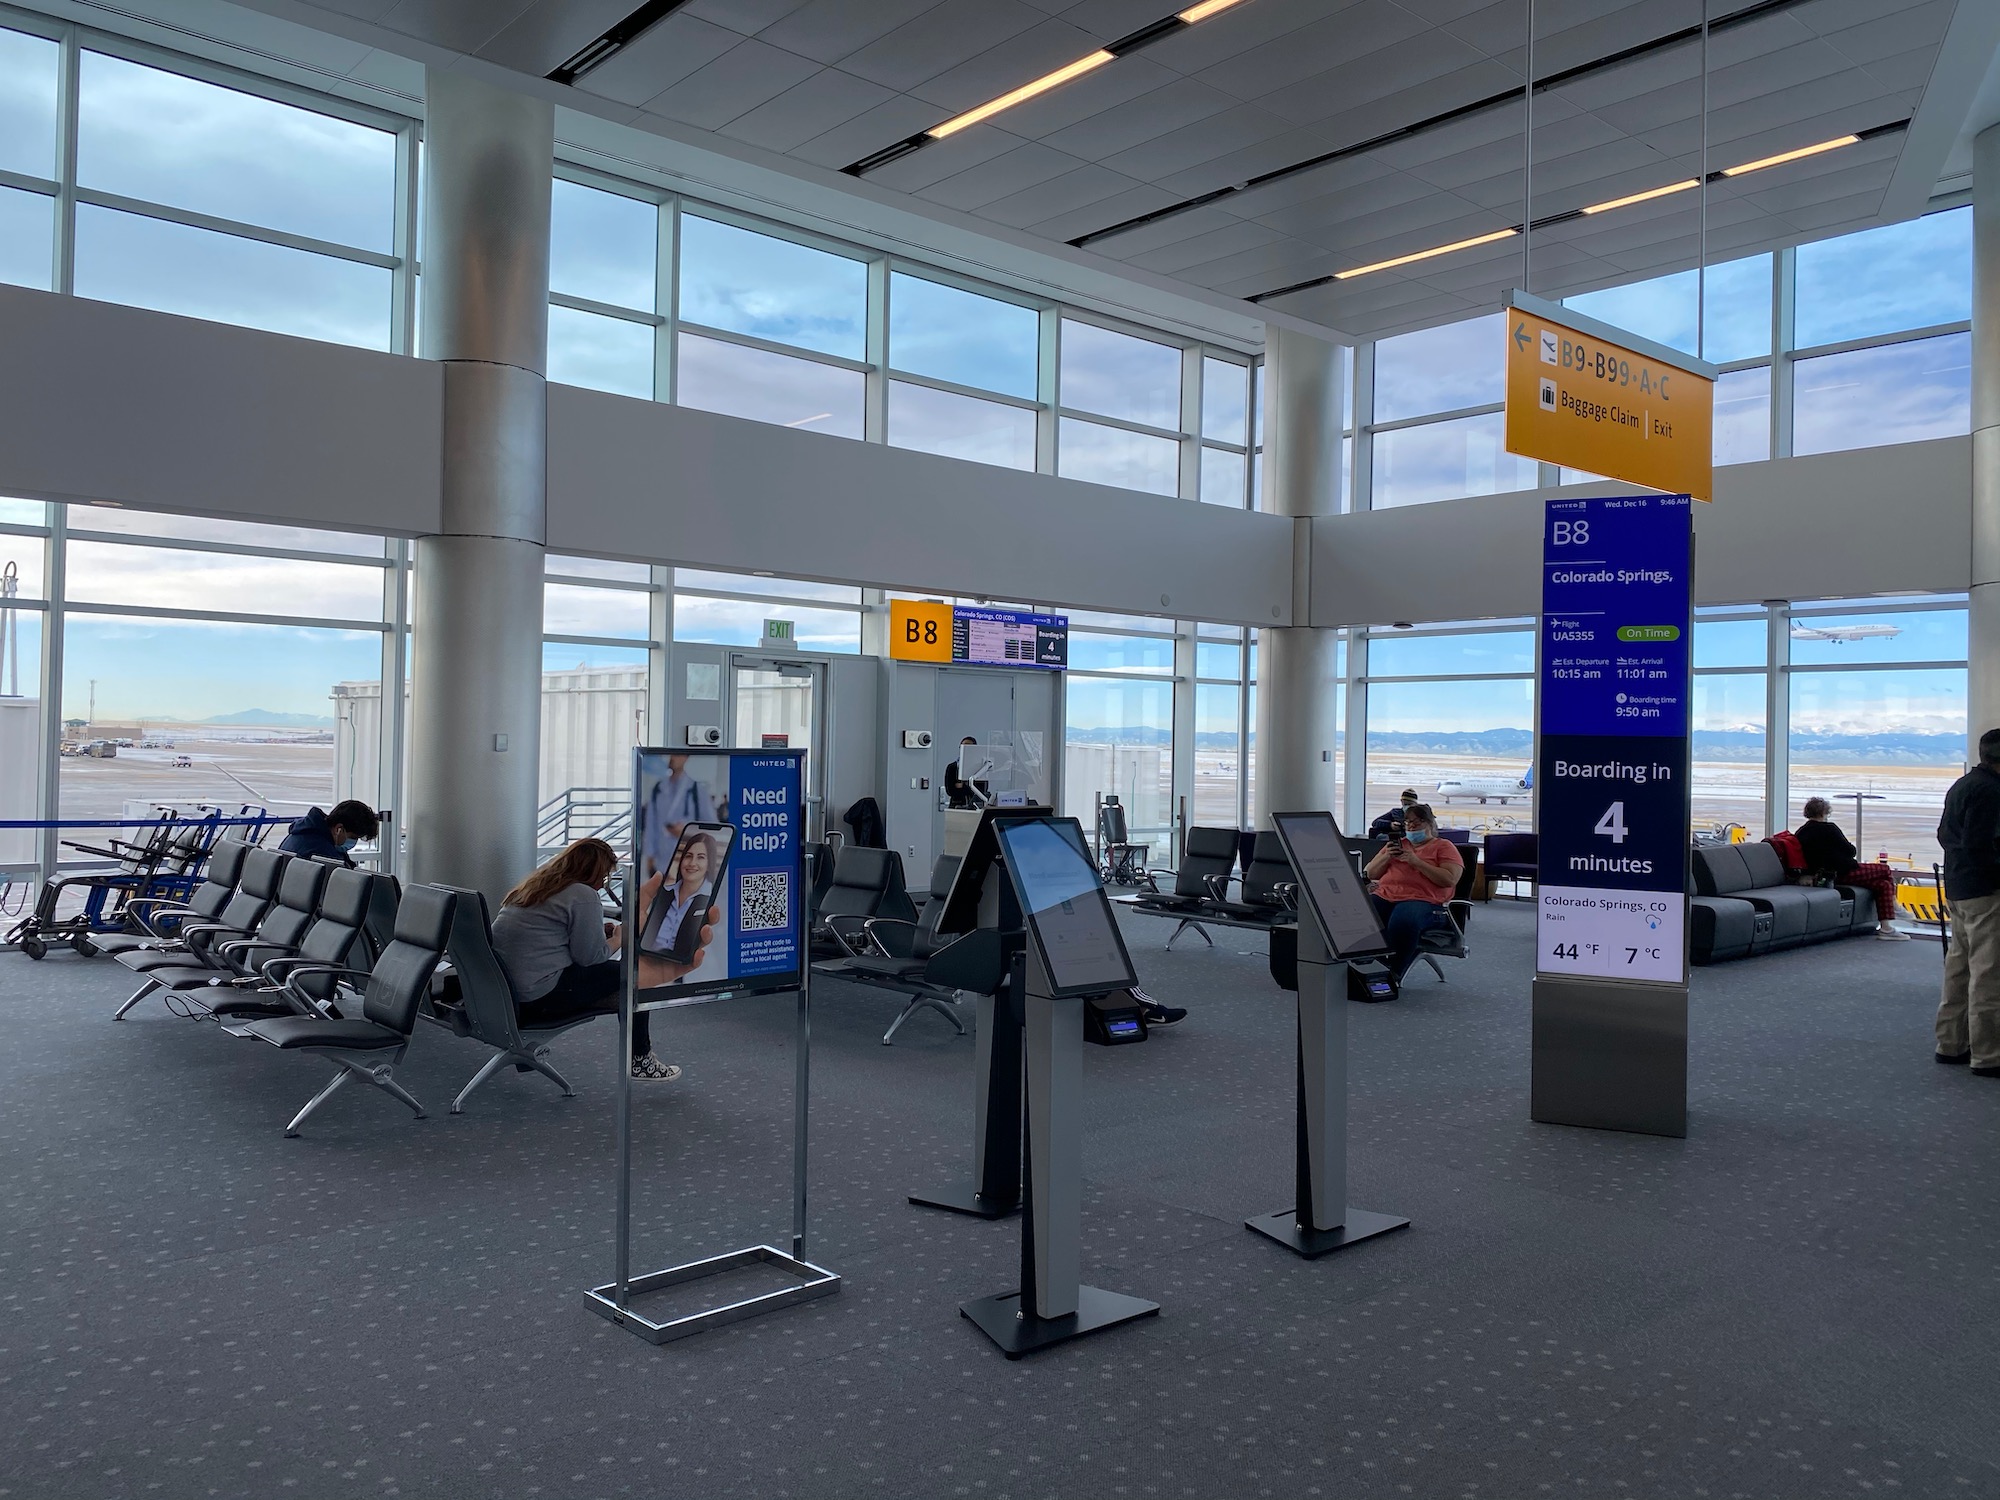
(332, 834)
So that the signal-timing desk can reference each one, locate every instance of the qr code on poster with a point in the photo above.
(764, 901)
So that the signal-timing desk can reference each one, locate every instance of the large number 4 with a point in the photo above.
(1612, 824)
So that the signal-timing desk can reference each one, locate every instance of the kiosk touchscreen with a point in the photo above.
(961, 903)
(1064, 903)
(1327, 879)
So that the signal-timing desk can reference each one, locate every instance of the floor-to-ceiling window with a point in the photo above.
(1878, 718)
(1451, 716)
(1119, 736)
(1730, 726)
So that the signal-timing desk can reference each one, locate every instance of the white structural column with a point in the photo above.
(476, 622)
(1297, 665)
(1984, 643)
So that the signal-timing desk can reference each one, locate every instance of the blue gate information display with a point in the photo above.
(1612, 753)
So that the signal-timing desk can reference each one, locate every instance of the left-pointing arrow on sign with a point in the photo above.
(1520, 335)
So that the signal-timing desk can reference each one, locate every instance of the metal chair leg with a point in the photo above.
(137, 995)
(493, 1065)
(1435, 967)
(383, 1077)
(539, 1061)
(1199, 931)
(339, 1080)
(943, 1008)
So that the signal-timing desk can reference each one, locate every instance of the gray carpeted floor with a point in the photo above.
(1796, 1300)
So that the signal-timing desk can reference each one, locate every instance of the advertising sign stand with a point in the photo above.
(613, 1299)
(1320, 1221)
(1053, 1306)
(1610, 1012)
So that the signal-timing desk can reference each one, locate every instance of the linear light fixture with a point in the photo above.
(1630, 198)
(1684, 185)
(1090, 62)
(1784, 156)
(1403, 260)
(627, 31)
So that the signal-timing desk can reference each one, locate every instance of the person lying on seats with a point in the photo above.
(1413, 877)
(560, 953)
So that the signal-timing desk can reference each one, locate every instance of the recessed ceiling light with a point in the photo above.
(1088, 63)
(1404, 260)
(1650, 193)
(1784, 156)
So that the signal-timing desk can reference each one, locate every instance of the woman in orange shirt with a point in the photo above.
(1414, 877)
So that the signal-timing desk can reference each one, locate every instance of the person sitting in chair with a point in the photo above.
(331, 835)
(561, 955)
(1829, 856)
(1414, 877)
(1389, 825)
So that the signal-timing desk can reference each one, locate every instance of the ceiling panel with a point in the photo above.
(1266, 87)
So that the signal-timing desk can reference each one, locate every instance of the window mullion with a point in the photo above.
(64, 279)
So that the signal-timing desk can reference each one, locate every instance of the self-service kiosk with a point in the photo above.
(1336, 929)
(1073, 950)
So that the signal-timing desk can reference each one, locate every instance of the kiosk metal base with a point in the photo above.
(816, 1281)
(1000, 1318)
(1284, 1227)
(969, 1201)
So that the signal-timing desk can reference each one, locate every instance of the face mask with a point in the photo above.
(1419, 836)
(346, 844)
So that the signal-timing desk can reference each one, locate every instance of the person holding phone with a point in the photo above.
(561, 955)
(1413, 877)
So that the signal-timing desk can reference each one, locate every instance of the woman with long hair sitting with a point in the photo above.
(561, 954)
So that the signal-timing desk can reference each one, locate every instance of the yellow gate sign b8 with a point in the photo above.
(1589, 396)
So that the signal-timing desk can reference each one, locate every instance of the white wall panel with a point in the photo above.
(1834, 525)
(102, 402)
(639, 479)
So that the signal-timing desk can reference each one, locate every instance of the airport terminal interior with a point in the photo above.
(995, 489)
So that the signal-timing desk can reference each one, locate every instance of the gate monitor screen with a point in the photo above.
(1328, 882)
(1063, 900)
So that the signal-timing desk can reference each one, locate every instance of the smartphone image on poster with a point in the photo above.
(693, 883)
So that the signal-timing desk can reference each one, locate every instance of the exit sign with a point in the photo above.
(779, 633)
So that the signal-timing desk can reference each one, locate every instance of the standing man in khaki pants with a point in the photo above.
(1968, 1018)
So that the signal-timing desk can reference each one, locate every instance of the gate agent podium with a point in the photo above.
(1336, 924)
(1073, 951)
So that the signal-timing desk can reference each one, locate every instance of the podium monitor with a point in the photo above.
(1068, 916)
(1329, 885)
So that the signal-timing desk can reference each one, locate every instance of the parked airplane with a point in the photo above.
(1484, 788)
(1841, 635)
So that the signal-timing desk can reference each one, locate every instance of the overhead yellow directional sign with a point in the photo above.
(1589, 396)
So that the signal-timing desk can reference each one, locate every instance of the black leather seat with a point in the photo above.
(1743, 905)
(1203, 877)
(156, 916)
(912, 958)
(1268, 869)
(303, 983)
(278, 935)
(256, 888)
(866, 883)
(484, 1006)
(371, 1046)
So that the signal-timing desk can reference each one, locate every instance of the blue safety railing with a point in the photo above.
(165, 863)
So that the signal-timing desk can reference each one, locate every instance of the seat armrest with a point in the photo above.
(848, 943)
(875, 927)
(1217, 887)
(299, 997)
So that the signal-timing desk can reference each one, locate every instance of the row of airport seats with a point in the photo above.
(281, 948)
(1743, 905)
(868, 939)
(1200, 893)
